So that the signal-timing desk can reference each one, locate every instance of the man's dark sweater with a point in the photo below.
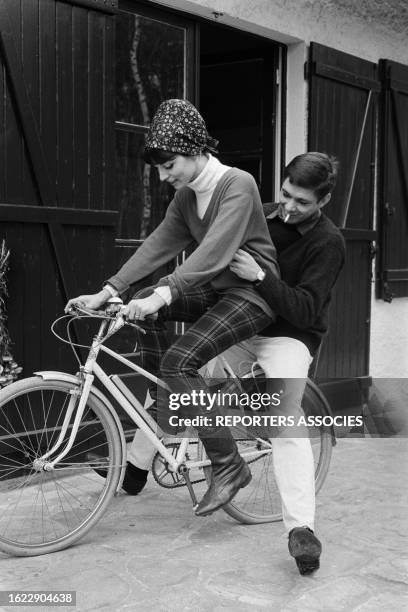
(310, 259)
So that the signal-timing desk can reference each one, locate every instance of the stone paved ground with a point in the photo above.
(152, 554)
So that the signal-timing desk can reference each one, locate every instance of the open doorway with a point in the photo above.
(233, 76)
(240, 97)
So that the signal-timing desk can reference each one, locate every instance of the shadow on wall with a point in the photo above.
(385, 413)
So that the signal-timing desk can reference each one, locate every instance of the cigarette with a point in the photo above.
(286, 218)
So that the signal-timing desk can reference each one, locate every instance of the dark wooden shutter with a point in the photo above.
(392, 270)
(342, 115)
(56, 126)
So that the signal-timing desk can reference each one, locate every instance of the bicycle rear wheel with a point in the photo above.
(45, 511)
(260, 501)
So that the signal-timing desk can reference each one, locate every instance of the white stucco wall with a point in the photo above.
(389, 339)
(369, 29)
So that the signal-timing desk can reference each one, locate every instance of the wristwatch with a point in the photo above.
(259, 277)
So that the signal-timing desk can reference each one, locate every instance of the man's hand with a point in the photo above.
(93, 302)
(244, 266)
(140, 309)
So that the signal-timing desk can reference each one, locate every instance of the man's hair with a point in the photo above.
(315, 171)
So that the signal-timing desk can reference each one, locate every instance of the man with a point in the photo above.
(311, 254)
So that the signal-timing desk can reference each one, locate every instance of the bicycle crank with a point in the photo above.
(162, 473)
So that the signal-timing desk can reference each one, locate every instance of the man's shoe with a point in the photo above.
(305, 548)
(229, 474)
(134, 480)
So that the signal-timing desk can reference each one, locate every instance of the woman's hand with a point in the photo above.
(140, 309)
(93, 302)
(244, 266)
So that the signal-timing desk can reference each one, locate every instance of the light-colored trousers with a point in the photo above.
(293, 463)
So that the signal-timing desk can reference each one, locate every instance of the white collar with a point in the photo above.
(209, 175)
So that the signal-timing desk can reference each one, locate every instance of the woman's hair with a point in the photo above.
(313, 170)
(158, 156)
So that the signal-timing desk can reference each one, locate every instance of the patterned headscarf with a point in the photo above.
(178, 127)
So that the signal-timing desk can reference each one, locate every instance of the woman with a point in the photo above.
(219, 208)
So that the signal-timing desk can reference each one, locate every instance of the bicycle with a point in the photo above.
(50, 495)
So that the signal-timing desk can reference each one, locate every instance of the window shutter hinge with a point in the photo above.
(373, 249)
(387, 293)
(390, 210)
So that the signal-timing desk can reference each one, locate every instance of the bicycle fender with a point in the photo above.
(55, 375)
(73, 379)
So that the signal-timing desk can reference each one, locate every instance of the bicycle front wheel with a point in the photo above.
(260, 501)
(45, 511)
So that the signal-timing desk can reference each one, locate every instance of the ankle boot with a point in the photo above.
(229, 473)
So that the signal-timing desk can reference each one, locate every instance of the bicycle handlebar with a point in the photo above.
(76, 308)
(105, 314)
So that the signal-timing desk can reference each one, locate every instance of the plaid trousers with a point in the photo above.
(219, 320)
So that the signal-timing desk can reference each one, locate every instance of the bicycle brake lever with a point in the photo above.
(137, 327)
(127, 322)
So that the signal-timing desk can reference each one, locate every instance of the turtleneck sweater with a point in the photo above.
(205, 183)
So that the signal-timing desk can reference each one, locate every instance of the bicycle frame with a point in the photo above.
(135, 410)
(131, 405)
